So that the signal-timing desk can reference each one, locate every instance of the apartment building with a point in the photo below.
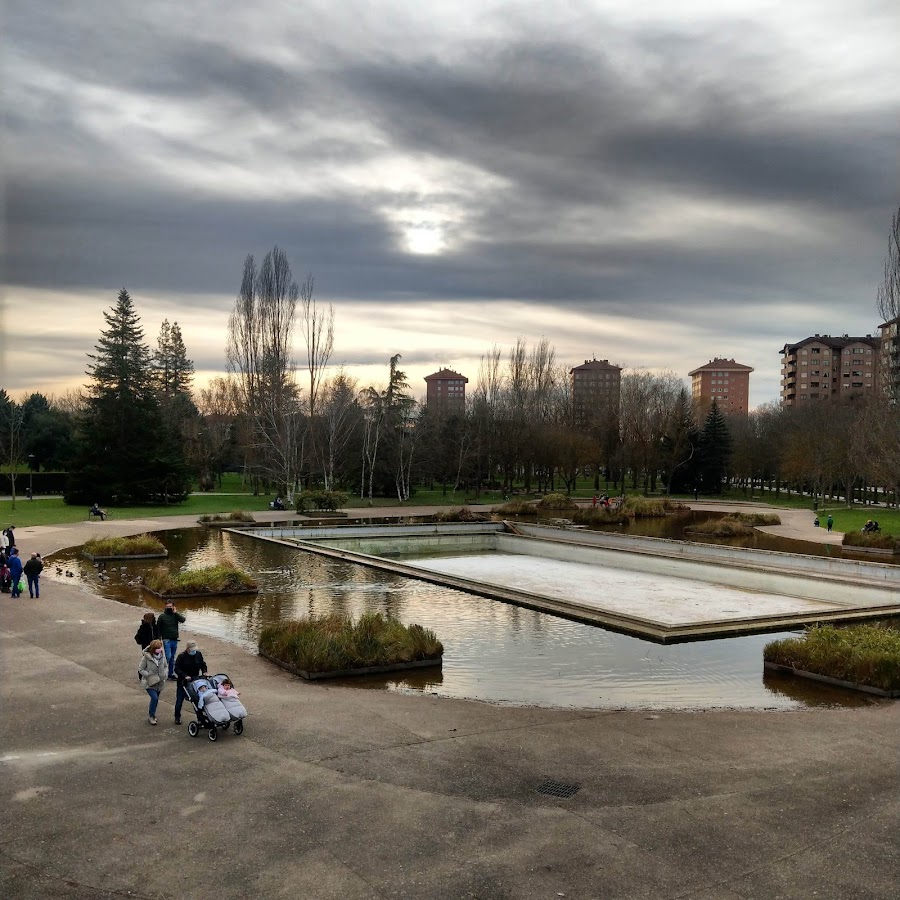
(823, 367)
(889, 358)
(446, 392)
(596, 386)
(723, 380)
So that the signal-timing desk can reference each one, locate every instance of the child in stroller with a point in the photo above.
(212, 713)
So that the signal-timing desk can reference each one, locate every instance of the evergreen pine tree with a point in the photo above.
(681, 448)
(715, 446)
(125, 453)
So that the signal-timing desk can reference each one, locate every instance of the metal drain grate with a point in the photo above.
(557, 788)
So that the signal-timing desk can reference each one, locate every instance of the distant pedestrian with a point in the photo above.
(10, 534)
(15, 570)
(168, 623)
(32, 570)
(4, 543)
(147, 631)
(829, 522)
(594, 502)
(152, 672)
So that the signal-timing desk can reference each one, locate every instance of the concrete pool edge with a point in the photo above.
(616, 621)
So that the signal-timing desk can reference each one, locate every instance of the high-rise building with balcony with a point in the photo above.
(725, 381)
(889, 361)
(823, 367)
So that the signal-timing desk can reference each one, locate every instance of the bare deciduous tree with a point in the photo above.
(259, 352)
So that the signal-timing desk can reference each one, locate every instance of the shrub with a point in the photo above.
(327, 500)
(334, 643)
(224, 578)
(867, 539)
(516, 508)
(238, 515)
(728, 526)
(556, 501)
(138, 545)
(862, 654)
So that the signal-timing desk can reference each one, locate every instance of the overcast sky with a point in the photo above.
(651, 183)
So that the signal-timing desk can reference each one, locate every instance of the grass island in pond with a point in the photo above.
(866, 655)
(233, 518)
(225, 578)
(140, 546)
(331, 644)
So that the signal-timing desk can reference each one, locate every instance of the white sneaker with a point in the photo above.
(152, 720)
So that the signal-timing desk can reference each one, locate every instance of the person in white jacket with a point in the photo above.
(153, 670)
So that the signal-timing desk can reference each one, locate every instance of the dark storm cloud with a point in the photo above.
(561, 129)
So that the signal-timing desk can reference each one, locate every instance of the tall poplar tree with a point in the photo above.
(125, 453)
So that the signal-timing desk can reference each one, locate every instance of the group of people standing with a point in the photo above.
(12, 568)
(161, 662)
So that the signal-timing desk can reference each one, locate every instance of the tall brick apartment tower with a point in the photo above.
(596, 387)
(823, 367)
(446, 392)
(725, 381)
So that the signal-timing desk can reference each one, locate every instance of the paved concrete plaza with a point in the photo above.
(334, 792)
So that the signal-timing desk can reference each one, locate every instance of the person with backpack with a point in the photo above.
(168, 623)
(147, 631)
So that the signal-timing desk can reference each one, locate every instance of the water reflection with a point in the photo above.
(493, 651)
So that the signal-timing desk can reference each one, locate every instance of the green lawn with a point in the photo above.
(54, 511)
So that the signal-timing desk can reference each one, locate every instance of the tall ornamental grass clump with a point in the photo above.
(239, 515)
(516, 508)
(336, 643)
(459, 515)
(756, 519)
(862, 654)
(225, 578)
(599, 515)
(138, 545)
(650, 507)
(727, 526)
(556, 501)
(867, 539)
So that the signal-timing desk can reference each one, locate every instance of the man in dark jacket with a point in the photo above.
(188, 666)
(15, 569)
(32, 570)
(168, 622)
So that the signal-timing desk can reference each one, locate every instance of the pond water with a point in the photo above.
(493, 651)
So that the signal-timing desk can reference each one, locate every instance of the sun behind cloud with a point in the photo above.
(425, 240)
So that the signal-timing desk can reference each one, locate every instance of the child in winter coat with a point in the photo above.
(229, 697)
(211, 704)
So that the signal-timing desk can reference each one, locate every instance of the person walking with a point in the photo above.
(168, 623)
(32, 570)
(147, 631)
(4, 543)
(829, 522)
(10, 535)
(15, 570)
(188, 666)
(152, 671)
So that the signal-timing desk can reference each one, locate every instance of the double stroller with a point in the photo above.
(214, 713)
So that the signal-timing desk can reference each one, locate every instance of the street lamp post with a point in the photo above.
(30, 474)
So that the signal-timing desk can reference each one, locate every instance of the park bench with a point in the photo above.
(94, 515)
